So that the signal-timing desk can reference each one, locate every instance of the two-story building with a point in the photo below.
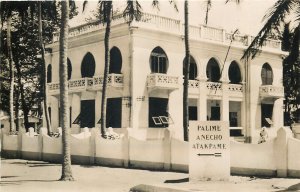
(145, 82)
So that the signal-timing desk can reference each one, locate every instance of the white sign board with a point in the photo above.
(209, 150)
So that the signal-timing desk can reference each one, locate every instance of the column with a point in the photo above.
(225, 102)
(126, 105)
(98, 104)
(202, 101)
(75, 103)
(54, 113)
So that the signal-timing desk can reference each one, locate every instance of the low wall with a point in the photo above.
(31, 147)
(293, 157)
(52, 149)
(147, 154)
(253, 159)
(179, 155)
(110, 152)
(276, 157)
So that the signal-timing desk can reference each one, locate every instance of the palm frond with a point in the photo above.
(275, 16)
(133, 11)
(155, 4)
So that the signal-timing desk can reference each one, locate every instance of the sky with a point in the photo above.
(246, 16)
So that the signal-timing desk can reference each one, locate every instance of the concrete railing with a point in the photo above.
(276, 157)
(156, 22)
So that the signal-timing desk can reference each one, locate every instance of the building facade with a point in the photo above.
(145, 82)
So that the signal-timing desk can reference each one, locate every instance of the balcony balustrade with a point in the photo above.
(214, 88)
(88, 84)
(113, 80)
(162, 81)
(160, 23)
(270, 91)
(235, 90)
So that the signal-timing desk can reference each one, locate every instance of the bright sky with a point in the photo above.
(246, 16)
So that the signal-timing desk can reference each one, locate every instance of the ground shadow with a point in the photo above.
(4, 177)
(19, 182)
(184, 180)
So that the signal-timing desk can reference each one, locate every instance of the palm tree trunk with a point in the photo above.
(11, 74)
(44, 76)
(186, 73)
(106, 69)
(64, 103)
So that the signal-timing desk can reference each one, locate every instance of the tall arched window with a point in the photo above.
(69, 69)
(234, 73)
(88, 66)
(49, 73)
(266, 74)
(115, 65)
(193, 68)
(158, 61)
(213, 70)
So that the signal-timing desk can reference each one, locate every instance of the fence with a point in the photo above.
(276, 157)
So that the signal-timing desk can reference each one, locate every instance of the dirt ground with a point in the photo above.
(30, 176)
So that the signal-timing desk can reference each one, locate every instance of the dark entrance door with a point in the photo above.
(114, 112)
(266, 112)
(215, 113)
(87, 113)
(157, 107)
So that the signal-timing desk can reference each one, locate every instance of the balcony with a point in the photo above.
(88, 84)
(270, 91)
(193, 87)
(53, 88)
(113, 80)
(235, 90)
(162, 81)
(79, 85)
(214, 89)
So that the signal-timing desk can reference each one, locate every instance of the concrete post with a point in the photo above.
(167, 150)
(281, 151)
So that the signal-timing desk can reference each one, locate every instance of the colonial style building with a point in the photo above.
(145, 82)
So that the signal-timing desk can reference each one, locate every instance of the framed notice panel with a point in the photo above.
(209, 150)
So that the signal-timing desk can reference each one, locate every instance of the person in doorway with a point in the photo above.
(263, 135)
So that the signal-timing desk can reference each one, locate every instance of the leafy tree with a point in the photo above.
(275, 17)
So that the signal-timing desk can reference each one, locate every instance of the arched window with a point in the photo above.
(88, 66)
(115, 65)
(158, 61)
(69, 69)
(193, 68)
(266, 74)
(234, 73)
(49, 73)
(213, 70)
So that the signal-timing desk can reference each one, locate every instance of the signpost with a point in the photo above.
(209, 150)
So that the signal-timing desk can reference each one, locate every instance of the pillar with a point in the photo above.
(54, 113)
(202, 101)
(75, 108)
(225, 102)
(98, 107)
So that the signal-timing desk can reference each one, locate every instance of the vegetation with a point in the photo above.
(275, 18)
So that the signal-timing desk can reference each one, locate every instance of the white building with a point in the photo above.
(146, 77)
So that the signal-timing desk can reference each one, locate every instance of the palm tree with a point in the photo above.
(131, 12)
(186, 72)
(64, 101)
(275, 17)
(44, 71)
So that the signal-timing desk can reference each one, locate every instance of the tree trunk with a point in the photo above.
(11, 75)
(186, 73)
(17, 109)
(64, 103)
(44, 71)
(106, 69)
